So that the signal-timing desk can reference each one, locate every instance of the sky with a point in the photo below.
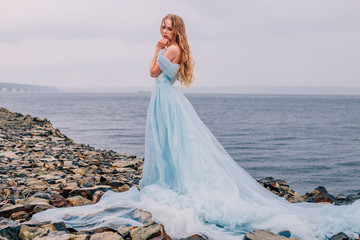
(108, 44)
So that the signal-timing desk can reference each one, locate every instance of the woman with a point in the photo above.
(190, 183)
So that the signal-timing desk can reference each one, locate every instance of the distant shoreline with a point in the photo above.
(16, 87)
(291, 91)
(281, 90)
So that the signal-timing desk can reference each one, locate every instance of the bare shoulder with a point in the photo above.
(172, 52)
(174, 48)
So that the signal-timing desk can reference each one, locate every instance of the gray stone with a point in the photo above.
(320, 195)
(144, 216)
(78, 201)
(340, 236)
(81, 237)
(22, 215)
(106, 236)
(342, 200)
(56, 235)
(7, 211)
(278, 187)
(41, 207)
(146, 231)
(264, 235)
(97, 196)
(29, 233)
(9, 229)
(89, 192)
(125, 231)
(195, 237)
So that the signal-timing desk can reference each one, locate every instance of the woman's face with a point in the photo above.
(167, 30)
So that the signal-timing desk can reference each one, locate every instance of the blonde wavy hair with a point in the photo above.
(187, 63)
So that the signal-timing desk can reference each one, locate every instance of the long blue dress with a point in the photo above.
(192, 185)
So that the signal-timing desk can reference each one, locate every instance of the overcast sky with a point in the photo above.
(109, 43)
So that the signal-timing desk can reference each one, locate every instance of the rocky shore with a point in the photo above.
(41, 168)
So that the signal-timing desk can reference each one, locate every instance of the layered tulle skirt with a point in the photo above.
(192, 186)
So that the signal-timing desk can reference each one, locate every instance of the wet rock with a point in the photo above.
(319, 195)
(21, 216)
(43, 195)
(125, 231)
(128, 164)
(28, 233)
(97, 196)
(160, 238)
(89, 192)
(40, 208)
(10, 232)
(8, 210)
(89, 184)
(58, 201)
(195, 237)
(124, 188)
(264, 235)
(80, 237)
(54, 236)
(62, 235)
(147, 231)
(36, 201)
(340, 236)
(144, 216)
(59, 226)
(342, 200)
(9, 229)
(34, 229)
(116, 184)
(284, 234)
(106, 236)
(103, 179)
(78, 201)
(278, 187)
(297, 198)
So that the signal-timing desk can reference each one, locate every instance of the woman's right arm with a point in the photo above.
(154, 67)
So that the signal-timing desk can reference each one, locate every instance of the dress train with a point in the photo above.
(192, 186)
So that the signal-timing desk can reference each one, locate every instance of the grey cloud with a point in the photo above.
(110, 43)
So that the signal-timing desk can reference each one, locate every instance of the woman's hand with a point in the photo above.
(162, 43)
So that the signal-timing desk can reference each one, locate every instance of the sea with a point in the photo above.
(307, 140)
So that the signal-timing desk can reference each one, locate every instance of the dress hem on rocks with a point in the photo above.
(192, 186)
